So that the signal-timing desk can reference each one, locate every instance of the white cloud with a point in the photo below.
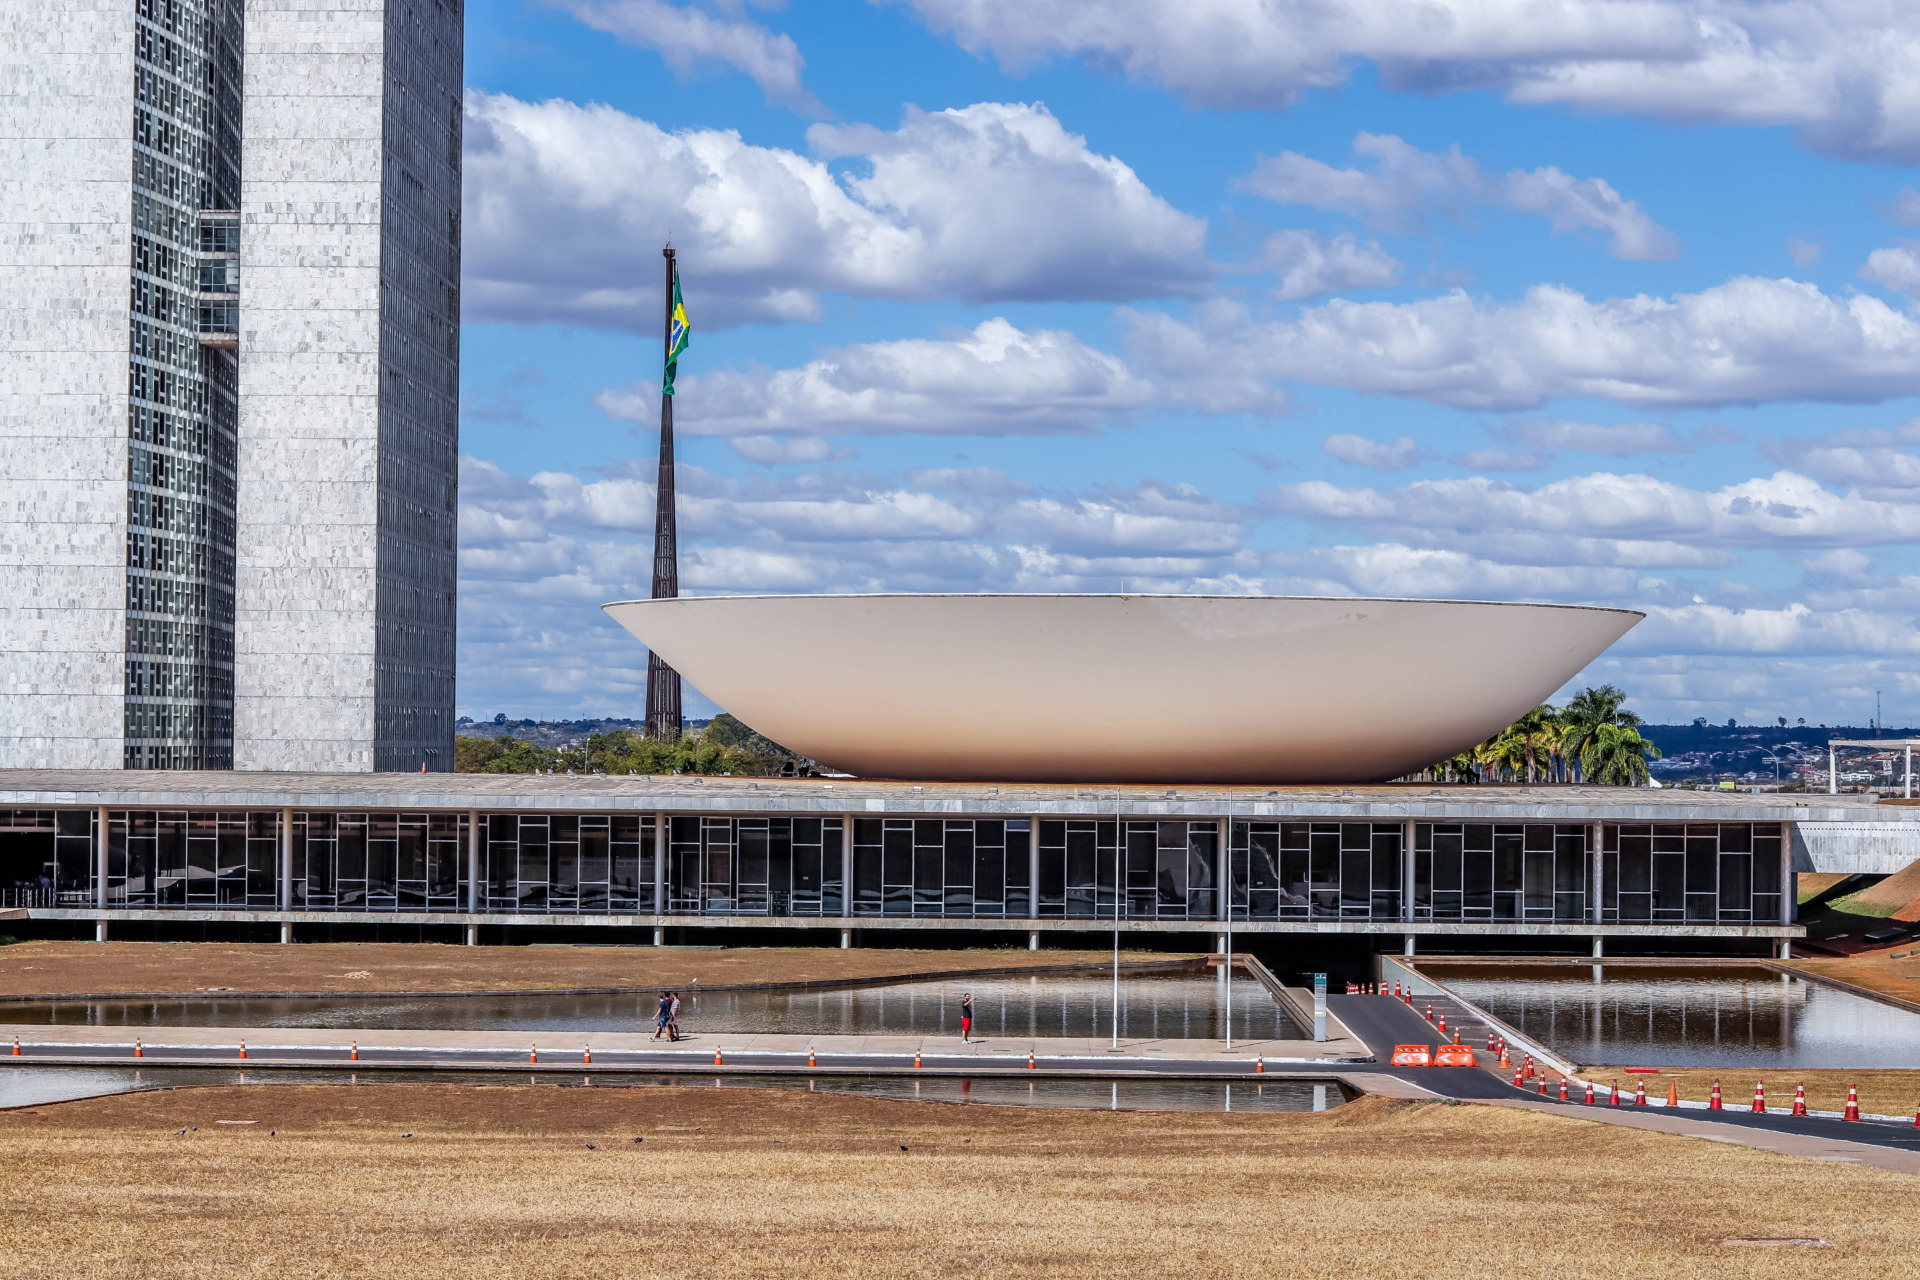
(1749, 341)
(776, 451)
(1897, 269)
(1844, 75)
(1626, 440)
(1876, 462)
(1310, 265)
(1501, 460)
(688, 37)
(1405, 185)
(994, 380)
(1403, 454)
(1803, 252)
(1792, 628)
(1782, 511)
(566, 207)
(1903, 209)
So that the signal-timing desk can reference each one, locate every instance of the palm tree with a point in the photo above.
(1586, 712)
(1616, 756)
(1534, 737)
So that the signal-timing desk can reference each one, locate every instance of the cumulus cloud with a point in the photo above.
(994, 380)
(1803, 252)
(1402, 455)
(1404, 185)
(1844, 75)
(1623, 441)
(1749, 341)
(777, 451)
(1876, 462)
(1896, 268)
(1502, 460)
(1782, 511)
(566, 207)
(688, 37)
(1311, 265)
(1903, 209)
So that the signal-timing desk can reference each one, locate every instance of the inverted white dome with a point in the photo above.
(1114, 688)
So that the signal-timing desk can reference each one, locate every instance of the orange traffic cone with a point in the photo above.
(1260, 1065)
(1541, 1089)
(1563, 1088)
(809, 1055)
(1916, 1117)
(1640, 1093)
(1456, 1035)
(243, 1048)
(1409, 995)
(1759, 1097)
(1029, 1059)
(916, 1059)
(1800, 1099)
(136, 1047)
(1613, 1093)
(1519, 1080)
(1589, 1101)
(1713, 1103)
(1673, 1093)
(586, 1053)
(1489, 1040)
(716, 1056)
(355, 1055)
(1853, 1104)
(533, 1053)
(1505, 1061)
(1528, 1068)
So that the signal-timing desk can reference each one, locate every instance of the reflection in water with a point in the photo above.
(30, 1086)
(1627, 1015)
(1156, 1007)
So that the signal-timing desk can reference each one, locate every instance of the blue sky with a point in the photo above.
(1582, 302)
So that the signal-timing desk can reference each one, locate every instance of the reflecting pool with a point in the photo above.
(31, 1086)
(1150, 1007)
(1652, 1015)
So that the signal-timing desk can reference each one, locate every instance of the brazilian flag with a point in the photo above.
(676, 333)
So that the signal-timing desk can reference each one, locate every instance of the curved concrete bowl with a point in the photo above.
(1104, 688)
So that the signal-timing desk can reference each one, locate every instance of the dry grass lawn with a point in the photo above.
(1883, 1092)
(501, 1182)
(1874, 970)
(41, 968)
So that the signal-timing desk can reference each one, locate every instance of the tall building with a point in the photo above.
(228, 426)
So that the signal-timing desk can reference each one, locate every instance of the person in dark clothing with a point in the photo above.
(966, 1018)
(661, 1015)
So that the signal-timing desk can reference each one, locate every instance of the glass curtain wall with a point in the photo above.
(46, 857)
(1490, 871)
(755, 866)
(941, 867)
(1316, 870)
(191, 858)
(1170, 869)
(551, 863)
(1726, 872)
(379, 861)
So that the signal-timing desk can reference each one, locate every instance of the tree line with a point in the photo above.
(725, 746)
(1593, 739)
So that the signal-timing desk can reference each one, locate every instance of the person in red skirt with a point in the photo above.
(966, 1018)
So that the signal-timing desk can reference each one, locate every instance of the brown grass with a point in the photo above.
(39, 968)
(1875, 970)
(499, 1182)
(1884, 1092)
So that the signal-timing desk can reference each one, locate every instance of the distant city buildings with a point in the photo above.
(228, 431)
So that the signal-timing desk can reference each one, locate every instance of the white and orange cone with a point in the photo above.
(1589, 1101)
(1640, 1093)
(1853, 1104)
(1800, 1099)
(1759, 1097)
(1713, 1103)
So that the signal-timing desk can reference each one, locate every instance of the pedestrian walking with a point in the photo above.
(673, 1015)
(966, 1018)
(661, 1015)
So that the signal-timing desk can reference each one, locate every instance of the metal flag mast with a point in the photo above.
(663, 682)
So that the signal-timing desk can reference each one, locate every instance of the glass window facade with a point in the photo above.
(941, 867)
(755, 866)
(1170, 869)
(1500, 871)
(552, 863)
(46, 857)
(1672, 872)
(192, 858)
(1316, 870)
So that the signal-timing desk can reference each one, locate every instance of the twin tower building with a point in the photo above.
(229, 368)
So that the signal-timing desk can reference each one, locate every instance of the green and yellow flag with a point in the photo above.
(676, 333)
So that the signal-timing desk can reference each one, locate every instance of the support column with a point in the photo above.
(1789, 884)
(846, 939)
(1407, 945)
(1596, 867)
(286, 931)
(1406, 870)
(846, 864)
(99, 930)
(473, 868)
(285, 895)
(662, 843)
(1033, 870)
(1786, 948)
(1223, 908)
(1833, 774)
(1219, 944)
(659, 937)
(1599, 946)
(473, 935)
(1033, 940)
(1909, 793)
(102, 828)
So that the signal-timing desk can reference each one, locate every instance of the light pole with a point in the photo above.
(1119, 843)
(1228, 890)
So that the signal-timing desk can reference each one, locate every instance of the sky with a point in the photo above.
(1578, 301)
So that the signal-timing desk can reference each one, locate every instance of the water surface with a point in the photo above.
(1686, 1016)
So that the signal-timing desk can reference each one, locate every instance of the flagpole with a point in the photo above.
(663, 682)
